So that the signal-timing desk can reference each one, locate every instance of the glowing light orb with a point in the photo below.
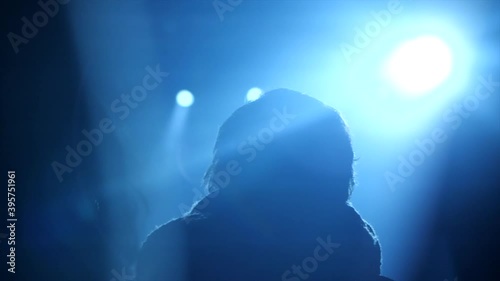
(253, 94)
(419, 65)
(184, 98)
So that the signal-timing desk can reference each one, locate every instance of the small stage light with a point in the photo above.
(253, 94)
(185, 98)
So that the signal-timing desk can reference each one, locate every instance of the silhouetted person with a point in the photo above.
(278, 203)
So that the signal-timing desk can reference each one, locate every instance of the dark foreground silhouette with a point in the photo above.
(277, 206)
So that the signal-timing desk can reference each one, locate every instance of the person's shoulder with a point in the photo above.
(163, 252)
(175, 229)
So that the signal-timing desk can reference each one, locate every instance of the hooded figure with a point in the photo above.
(277, 206)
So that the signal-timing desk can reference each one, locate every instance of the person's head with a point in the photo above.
(285, 140)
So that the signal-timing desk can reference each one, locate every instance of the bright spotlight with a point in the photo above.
(419, 65)
(184, 98)
(253, 94)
